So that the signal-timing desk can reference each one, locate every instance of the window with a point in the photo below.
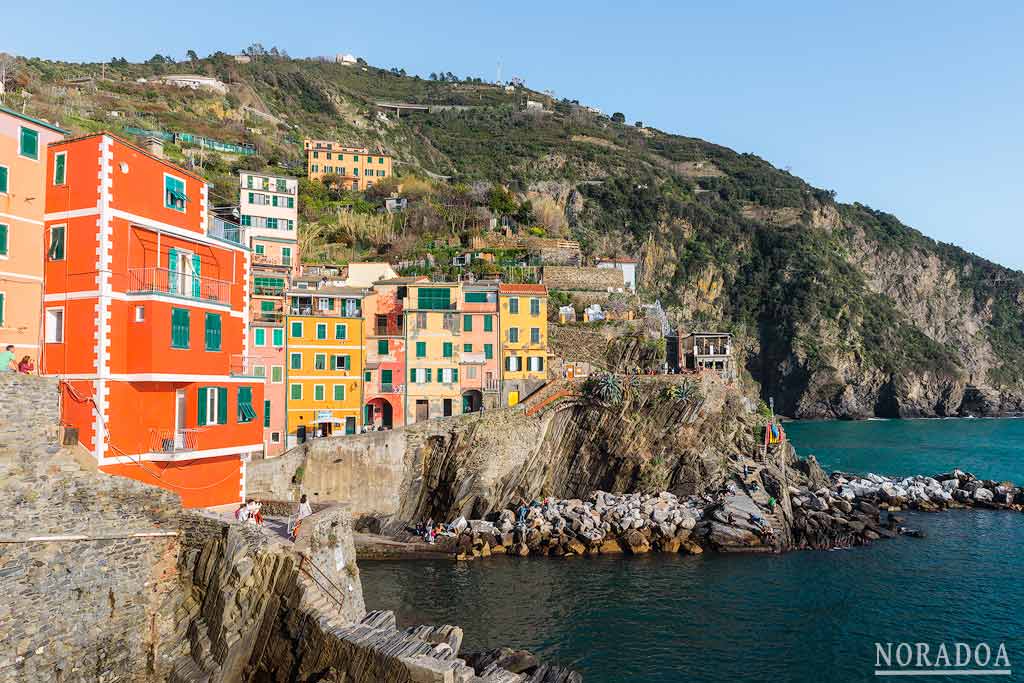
(320, 361)
(213, 406)
(212, 332)
(3, 239)
(259, 371)
(476, 297)
(318, 392)
(488, 351)
(260, 249)
(4, 179)
(56, 250)
(513, 305)
(246, 413)
(534, 306)
(488, 323)
(341, 331)
(179, 328)
(341, 362)
(29, 143)
(259, 336)
(60, 168)
(535, 364)
(380, 160)
(277, 374)
(385, 378)
(286, 254)
(278, 336)
(266, 414)
(1, 309)
(535, 335)
(54, 325)
(467, 323)
(321, 330)
(467, 348)
(296, 330)
(368, 376)
(382, 347)
(513, 335)
(471, 372)
(446, 350)
(296, 392)
(140, 313)
(339, 392)
(275, 437)
(421, 321)
(421, 349)
(296, 361)
(513, 363)
(174, 193)
(433, 298)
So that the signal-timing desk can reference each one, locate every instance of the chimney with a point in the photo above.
(154, 146)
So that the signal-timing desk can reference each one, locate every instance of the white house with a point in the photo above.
(195, 82)
(626, 265)
(345, 58)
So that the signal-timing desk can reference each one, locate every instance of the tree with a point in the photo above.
(192, 56)
(618, 117)
(501, 201)
(639, 124)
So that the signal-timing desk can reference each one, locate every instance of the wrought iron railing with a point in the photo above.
(173, 440)
(224, 230)
(166, 281)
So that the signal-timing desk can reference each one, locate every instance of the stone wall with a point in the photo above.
(568, 278)
(88, 562)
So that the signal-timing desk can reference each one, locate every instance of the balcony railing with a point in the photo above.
(492, 384)
(241, 365)
(221, 229)
(173, 440)
(271, 260)
(166, 281)
(268, 317)
(388, 389)
(388, 330)
(264, 290)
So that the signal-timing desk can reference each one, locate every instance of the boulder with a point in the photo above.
(636, 543)
(983, 495)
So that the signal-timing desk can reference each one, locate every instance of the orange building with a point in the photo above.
(23, 184)
(146, 319)
(358, 167)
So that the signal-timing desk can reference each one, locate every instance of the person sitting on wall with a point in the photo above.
(7, 363)
(242, 513)
(26, 367)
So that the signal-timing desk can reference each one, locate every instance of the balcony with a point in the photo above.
(387, 389)
(268, 316)
(241, 365)
(221, 229)
(164, 281)
(390, 330)
(271, 260)
(492, 384)
(173, 440)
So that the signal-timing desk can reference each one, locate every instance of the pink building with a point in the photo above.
(479, 368)
(384, 371)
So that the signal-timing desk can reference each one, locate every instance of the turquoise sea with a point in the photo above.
(803, 616)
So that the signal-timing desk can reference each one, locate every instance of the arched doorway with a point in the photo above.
(472, 401)
(380, 412)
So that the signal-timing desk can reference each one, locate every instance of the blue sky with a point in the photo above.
(910, 107)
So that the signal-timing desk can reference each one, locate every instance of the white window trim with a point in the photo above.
(256, 338)
(46, 325)
(323, 392)
(212, 401)
(163, 192)
(302, 329)
(276, 329)
(290, 387)
(140, 313)
(275, 437)
(263, 371)
(316, 359)
(23, 156)
(334, 392)
(292, 355)
(344, 329)
(280, 381)
(49, 241)
(326, 330)
(54, 179)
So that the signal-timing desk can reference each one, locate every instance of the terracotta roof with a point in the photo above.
(522, 289)
(616, 260)
(405, 280)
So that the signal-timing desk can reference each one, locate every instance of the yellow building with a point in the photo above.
(523, 327)
(432, 350)
(324, 362)
(358, 167)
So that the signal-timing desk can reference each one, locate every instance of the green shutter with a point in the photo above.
(382, 347)
(421, 349)
(172, 270)
(197, 267)
(29, 143)
(296, 392)
(433, 298)
(261, 336)
(201, 408)
(318, 392)
(56, 243)
(3, 240)
(488, 351)
(213, 332)
(179, 328)
(278, 336)
(455, 375)
(488, 324)
(428, 375)
(476, 297)
(467, 348)
(467, 323)
(367, 376)
(222, 405)
(447, 350)
(296, 330)
(340, 332)
(3, 179)
(385, 376)
(339, 392)
(266, 413)
(412, 375)
(245, 409)
(60, 168)
(321, 330)
(296, 361)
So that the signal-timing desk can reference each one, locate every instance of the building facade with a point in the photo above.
(358, 167)
(325, 362)
(433, 348)
(523, 314)
(154, 377)
(25, 179)
(384, 377)
(626, 265)
(479, 364)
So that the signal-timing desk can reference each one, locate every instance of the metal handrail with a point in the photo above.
(163, 280)
(173, 440)
(332, 590)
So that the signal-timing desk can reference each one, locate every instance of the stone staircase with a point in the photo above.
(760, 496)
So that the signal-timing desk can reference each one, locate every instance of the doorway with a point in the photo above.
(447, 407)
(179, 419)
(422, 410)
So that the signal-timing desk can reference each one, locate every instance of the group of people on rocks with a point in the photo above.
(8, 363)
(430, 530)
(250, 511)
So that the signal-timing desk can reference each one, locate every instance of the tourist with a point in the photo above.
(7, 359)
(242, 513)
(771, 504)
(26, 366)
(522, 512)
(303, 511)
(257, 515)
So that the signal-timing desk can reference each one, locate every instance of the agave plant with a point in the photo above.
(605, 388)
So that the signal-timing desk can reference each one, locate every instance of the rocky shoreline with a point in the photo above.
(756, 511)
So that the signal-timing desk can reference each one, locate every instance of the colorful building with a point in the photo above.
(268, 206)
(479, 365)
(358, 167)
(24, 181)
(433, 348)
(523, 313)
(384, 376)
(154, 376)
(325, 362)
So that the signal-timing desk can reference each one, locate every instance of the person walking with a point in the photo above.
(304, 510)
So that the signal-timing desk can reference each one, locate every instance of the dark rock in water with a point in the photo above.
(516, 661)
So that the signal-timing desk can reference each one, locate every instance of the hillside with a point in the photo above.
(840, 310)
